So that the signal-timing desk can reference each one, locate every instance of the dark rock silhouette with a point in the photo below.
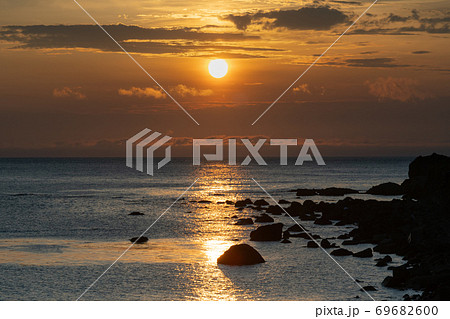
(136, 214)
(239, 255)
(312, 244)
(274, 210)
(368, 288)
(322, 221)
(296, 228)
(286, 241)
(341, 252)
(244, 221)
(264, 218)
(229, 202)
(139, 240)
(386, 189)
(283, 201)
(364, 253)
(271, 232)
(261, 202)
(203, 201)
(326, 244)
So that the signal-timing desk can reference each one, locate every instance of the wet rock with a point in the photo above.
(244, 221)
(286, 241)
(386, 258)
(261, 202)
(366, 253)
(326, 244)
(239, 255)
(264, 218)
(381, 263)
(387, 189)
(139, 240)
(234, 216)
(229, 202)
(203, 201)
(136, 214)
(283, 201)
(312, 244)
(267, 233)
(341, 252)
(296, 228)
(274, 210)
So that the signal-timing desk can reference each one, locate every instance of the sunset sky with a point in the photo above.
(67, 89)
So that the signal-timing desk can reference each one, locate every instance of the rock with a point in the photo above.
(349, 242)
(240, 203)
(296, 228)
(312, 244)
(244, 221)
(368, 288)
(305, 192)
(381, 263)
(274, 210)
(261, 202)
(139, 240)
(286, 241)
(366, 253)
(267, 233)
(325, 243)
(264, 218)
(341, 252)
(322, 221)
(386, 189)
(344, 236)
(189, 212)
(229, 202)
(335, 191)
(220, 202)
(204, 201)
(283, 201)
(234, 216)
(239, 255)
(136, 214)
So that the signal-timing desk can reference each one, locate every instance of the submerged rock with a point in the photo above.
(136, 214)
(267, 233)
(239, 255)
(139, 240)
(261, 202)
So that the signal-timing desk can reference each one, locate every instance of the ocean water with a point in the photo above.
(64, 221)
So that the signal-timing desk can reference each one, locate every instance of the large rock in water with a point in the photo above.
(267, 233)
(386, 189)
(429, 176)
(239, 255)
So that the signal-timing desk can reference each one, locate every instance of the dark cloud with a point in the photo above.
(355, 3)
(306, 18)
(374, 63)
(420, 52)
(132, 38)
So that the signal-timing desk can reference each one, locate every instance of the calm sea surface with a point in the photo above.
(64, 221)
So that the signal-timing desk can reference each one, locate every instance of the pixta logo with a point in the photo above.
(146, 140)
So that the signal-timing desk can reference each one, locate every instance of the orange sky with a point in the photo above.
(67, 90)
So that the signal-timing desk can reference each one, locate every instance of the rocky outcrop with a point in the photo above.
(271, 232)
(239, 255)
(387, 189)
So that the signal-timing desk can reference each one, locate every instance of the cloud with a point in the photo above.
(74, 92)
(184, 90)
(374, 63)
(303, 88)
(190, 41)
(306, 18)
(397, 89)
(420, 52)
(143, 92)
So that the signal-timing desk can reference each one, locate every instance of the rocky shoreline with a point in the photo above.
(415, 227)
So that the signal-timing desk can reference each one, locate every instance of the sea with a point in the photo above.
(65, 231)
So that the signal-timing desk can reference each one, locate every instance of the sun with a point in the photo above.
(218, 68)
